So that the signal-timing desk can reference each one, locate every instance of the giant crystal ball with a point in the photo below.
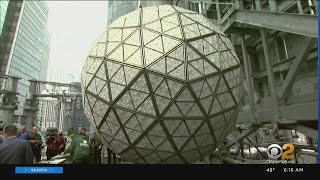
(162, 85)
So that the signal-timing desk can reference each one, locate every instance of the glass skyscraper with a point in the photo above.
(117, 8)
(25, 44)
(3, 11)
(120, 8)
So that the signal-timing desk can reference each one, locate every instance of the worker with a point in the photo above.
(80, 148)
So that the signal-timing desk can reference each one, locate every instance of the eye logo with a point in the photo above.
(275, 151)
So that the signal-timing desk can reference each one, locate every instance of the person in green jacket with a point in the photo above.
(80, 148)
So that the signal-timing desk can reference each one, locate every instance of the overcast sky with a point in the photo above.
(73, 26)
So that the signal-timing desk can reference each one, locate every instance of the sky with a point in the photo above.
(73, 27)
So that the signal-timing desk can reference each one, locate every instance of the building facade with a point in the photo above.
(79, 118)
(118, 8)
(25, 44)
(3, 12)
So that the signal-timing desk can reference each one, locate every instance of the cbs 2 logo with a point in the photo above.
(275, 151)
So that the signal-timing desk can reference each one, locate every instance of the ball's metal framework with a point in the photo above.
(162, 85)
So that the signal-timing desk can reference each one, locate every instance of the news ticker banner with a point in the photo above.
(193, 170)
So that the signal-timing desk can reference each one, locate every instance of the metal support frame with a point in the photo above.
(301, 24)
(278, 57)
(315, 4)
(307, 44)
(312, 133)
(273, 131)
(54, 90)
(286, 5)
(69, 113)
(299, 7)
(244, 134)
(242, 31)
(296, 112)
(238, 4)
(8, 99)
(268, 63)
(256, 96)
(256, 148)
(258, 4)
(249, 22)
(218, 11)
(281, 66)
(273, 5)
(248, 77)
(30, 105)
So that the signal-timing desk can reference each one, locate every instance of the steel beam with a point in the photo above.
(240, 30)
(272, 133)
(278, 57)
(301, 24)
(243, 135)
(238, 4)
(258, 4)
(283, 65)
(315, 3)
(218, 11)
(306, 46)
(299, 5)
(270, 73)
(312, 133)
(255, 146)
(248, 77)
(297, 112)
(8, 99)
(30, 106)
(256, 97)
(273, 5)
(300, 112)
(279, 67)
(55, 83)
(226, 16)
(285, 5)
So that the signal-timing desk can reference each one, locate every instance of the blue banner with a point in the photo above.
(39, 170)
